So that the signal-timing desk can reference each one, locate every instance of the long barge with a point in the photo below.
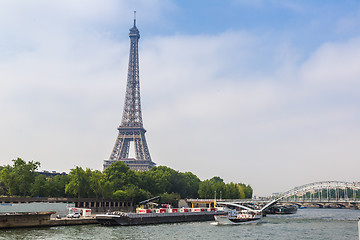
(39, 219)
(157, 217)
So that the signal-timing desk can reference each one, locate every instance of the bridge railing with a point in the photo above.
(323, 200)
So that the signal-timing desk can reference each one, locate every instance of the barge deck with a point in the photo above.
(128, 219)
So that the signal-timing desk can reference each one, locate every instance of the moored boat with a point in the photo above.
(282, 209)
(237, 214)
(238, 217)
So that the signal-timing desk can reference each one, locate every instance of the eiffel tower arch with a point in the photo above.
(131, 128)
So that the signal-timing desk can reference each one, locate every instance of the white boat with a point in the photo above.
(238, 214)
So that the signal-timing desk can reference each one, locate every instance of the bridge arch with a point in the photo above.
(316, 186)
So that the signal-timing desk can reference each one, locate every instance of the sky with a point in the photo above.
(262, 92)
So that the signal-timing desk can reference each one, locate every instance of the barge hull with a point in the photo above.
(128, 219)
(42, 219)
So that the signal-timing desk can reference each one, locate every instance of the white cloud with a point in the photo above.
(334, 65)
(200, 121)
(60, 59)
(221, 104)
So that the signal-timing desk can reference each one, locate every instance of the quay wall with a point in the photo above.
(346, 205)
(57, 208)
(96, 205)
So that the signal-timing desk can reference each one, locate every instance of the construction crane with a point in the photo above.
(143, 203)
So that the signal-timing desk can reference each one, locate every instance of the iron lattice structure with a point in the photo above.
(131, 128)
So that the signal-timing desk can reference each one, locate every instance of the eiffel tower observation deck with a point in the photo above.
(131, 129)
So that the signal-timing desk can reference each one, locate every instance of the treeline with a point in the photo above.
(116, 182)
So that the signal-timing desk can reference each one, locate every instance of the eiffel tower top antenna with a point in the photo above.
(134, 18)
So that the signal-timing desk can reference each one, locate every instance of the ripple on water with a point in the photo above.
(319, 224)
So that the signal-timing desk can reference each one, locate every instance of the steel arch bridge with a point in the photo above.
(340, 188)
(318, 187)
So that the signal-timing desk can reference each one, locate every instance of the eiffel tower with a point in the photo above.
(131, 128)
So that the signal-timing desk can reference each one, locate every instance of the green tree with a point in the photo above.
(56, 185)
(231, 191)
(205, 189)
(248, 191)
(39, 188)
(79, 183)
(9, 179)
(121, 194)
(105, 187)
(241, 189)
(117, 181)
(217, 186)
(95, 182)
(117, 175)
(171, 198)
(178, 183)
(132, 193)
(145, 181)
(87, 179)
(161, 179)
(25, 173)
(192, 183)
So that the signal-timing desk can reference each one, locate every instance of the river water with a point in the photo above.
(316, 224)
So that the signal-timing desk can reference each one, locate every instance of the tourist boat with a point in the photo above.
(237, 214)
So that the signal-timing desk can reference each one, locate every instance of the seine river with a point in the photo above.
(305, 224)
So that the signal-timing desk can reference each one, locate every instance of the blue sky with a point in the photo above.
(260, 92)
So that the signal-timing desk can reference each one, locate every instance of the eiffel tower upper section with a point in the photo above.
(131, 127)
(132, 116)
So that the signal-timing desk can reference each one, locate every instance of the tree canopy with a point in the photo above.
(116, 182)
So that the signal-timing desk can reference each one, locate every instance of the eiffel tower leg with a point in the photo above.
(115, 152)
(138, 149)
(121, 148)
(142, 148)
(124, 152)
(145, 147)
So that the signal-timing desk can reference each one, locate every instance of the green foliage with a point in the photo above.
(79, 185)
(161, 179)
(171, 198)
(132, 193)
(192, 185)
(95, 182)
(120, 176)
(248, 191)
(117, 181)
(56, 186)
(39, 187)
(216, 185)
(8, 178)
(120, 194)
(18, 179)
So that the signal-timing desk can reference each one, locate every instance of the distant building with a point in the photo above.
(51, 173)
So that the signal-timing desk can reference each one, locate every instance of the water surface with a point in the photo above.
(305, 224)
